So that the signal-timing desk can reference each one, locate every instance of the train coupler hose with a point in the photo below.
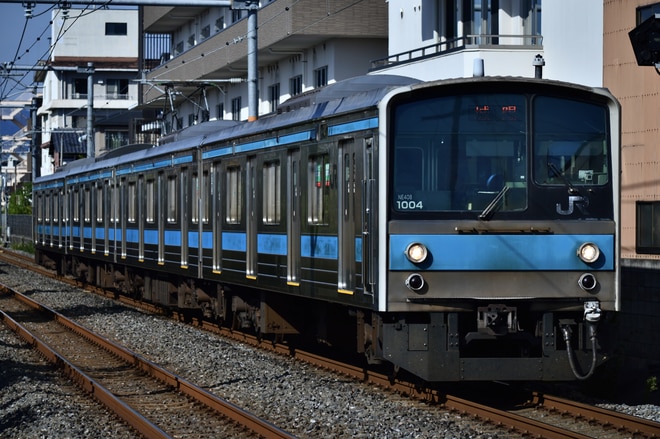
(591, 317)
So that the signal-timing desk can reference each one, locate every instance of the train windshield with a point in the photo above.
(466, 152)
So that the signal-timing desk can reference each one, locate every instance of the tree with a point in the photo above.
(20, 202)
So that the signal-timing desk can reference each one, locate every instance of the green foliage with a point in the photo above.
(20, 201)
(27, 247)
(652, 384)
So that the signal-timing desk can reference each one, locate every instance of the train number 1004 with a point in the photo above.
(409, 205)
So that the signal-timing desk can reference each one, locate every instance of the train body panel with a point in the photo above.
(461, 230)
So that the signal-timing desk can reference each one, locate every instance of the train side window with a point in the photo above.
(206, 184)
(76, 205)
(172, 199)
(234, 195)
(99, 203)
(66, 214)
(46, 205)
(87, 204)
(55, 214)
(114, 188)
(272, 193)
(150, 207)
(132, 201)
(40, 208)
(318, 190)
(196, 196)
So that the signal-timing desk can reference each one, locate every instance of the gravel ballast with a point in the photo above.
(297, 397)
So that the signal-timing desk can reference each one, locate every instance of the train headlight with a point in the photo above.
(589, 252)
(416, 252)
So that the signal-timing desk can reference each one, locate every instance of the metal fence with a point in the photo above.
(19, 228)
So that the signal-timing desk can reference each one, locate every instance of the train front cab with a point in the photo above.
(505, 282)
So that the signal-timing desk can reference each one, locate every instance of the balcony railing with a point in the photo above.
(459, 43)
(107, 97)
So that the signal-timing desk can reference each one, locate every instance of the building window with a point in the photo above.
(220, 111)
(235, 15)
(191, 41)
(117, 88)
(220, 24)
(178, 49)
(116, 29)
(271, 191)
(116, 139)
(648, 227)
(274, 97)
(644, 12)
(236, 108)
(295, 85)
(80, 88)
(321, 77)
(205, 32)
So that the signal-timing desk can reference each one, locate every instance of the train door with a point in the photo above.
(114, 214)
(369, 219)
(137, 201)
(58, 216)
(251, 220)
(162, 205)
(87, 225)
(96, 200)
(293, 218)
(350, 166)
(70, 202)
(184, 203)
(104, 214)
(216, 207)
(123, 224)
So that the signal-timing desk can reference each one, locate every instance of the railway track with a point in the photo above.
(155, 402)
(541, 415)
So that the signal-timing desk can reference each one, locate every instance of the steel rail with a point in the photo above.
(621, 421)
(103, 395)
(228, 409)
(513, 421)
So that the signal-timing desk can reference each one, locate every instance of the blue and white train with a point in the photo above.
(461, 229)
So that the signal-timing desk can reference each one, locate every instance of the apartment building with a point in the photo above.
(94, 59)
(197, 57)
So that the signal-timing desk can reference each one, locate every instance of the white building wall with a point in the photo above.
(80, 33)
(572, 42)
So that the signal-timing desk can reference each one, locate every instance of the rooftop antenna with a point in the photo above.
(538, 64)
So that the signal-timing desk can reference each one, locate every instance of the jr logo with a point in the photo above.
(573, 200)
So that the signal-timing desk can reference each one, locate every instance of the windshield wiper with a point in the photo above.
(571, 189)
(575, 197)
(490, 209)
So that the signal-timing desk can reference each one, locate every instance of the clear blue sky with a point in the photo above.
(29, 50)
(24, 53)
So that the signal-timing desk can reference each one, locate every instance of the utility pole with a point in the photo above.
(251, 6)
(90, 107)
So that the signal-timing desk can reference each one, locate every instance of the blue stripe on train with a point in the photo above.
(502, 252)
(311, 246)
